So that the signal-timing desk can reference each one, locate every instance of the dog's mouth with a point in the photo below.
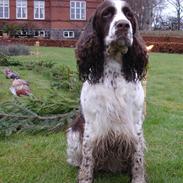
(122, 40)
(120, 45)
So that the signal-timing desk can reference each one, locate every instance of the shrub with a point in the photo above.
(11, 29)
(38, 66)
(4, 60)
(61, 77)
(14, 50)
(7, 61)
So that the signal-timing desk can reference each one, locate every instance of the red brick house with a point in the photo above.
(55, 19)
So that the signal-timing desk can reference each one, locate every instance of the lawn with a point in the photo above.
(26, 158)
(39, 83)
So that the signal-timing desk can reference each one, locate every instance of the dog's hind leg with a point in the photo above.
(74, 147)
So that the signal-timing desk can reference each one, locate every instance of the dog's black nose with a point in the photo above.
(123, 25)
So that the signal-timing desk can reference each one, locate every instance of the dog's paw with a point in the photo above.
(138, 180)
(85, 181)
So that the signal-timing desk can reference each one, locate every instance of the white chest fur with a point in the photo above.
(113, 104)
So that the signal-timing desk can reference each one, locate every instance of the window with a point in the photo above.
(21, 9)
(78, 10)
(40, 33)
(4, 9)
(68, 34)
(39, 9)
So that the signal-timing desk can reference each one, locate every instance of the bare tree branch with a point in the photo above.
(171, 2)
(178, 5)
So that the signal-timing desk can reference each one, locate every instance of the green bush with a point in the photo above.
(38, 66)
(64, 78)
(61, 77)
(7, 61)
(11, 29)
(4, 60)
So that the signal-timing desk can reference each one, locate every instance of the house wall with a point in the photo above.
(57, 17)
(60, 18)
(30, 19)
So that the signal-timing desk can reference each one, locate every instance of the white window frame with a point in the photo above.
(4, 2)
(23, 4)
(80, 8)
(69, 36)
(40, 4)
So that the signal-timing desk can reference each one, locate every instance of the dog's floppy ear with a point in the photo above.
(90, 53)
(136, 60)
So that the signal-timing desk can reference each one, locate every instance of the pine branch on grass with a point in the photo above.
(15, 117)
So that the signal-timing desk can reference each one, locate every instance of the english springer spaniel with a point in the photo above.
(112, 60)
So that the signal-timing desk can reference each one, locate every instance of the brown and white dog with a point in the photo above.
(112, 60)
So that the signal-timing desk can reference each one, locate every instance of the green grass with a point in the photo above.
(56, 54)
(40, 85)
(163, 125)
(42, 159)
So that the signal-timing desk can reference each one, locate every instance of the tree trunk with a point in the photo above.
(178, 19)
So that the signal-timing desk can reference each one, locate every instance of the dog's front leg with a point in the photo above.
(138, 170)
(87, 165)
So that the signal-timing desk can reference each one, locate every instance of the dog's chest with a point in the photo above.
(113, 104)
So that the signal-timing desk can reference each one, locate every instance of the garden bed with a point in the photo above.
(166, 47)
(168, 44)
(42, 42)
(165, 39)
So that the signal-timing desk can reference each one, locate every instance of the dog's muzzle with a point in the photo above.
(122, 39)
(123, 35)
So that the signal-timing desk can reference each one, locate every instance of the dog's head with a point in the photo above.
(111, 30)
(116, 23)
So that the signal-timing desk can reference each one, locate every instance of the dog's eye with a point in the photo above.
(127, 12)
(108, 13)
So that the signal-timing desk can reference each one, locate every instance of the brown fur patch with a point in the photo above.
(114, 153)
(78, 124)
